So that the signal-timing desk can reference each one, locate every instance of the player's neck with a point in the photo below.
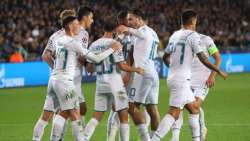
(108, 35)
(83, 25)
(188, 27)
(69, 33)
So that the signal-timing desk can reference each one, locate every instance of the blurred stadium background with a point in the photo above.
(25, 26)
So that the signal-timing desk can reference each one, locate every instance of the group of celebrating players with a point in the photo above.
(126, 78)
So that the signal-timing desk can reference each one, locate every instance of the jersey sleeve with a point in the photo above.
(169, 46)
(195, 42)
(84, 52)
(50, 45)
(211, 47)
(118, 56)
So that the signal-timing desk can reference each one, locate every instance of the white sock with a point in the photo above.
(195, 126)
(163, 128)
(90, 128)
(177, 127)
(77, 129)
(83, 121)
(39, 129)
(57, 128)
(202, 119)
(152, 133)
(112, 126)
(124, 132)
(146, 116)
(143, 132)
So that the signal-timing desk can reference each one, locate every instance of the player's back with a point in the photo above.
(145, 50)
(181, 47)
(200, 72)
(65, 58)
(107, 68)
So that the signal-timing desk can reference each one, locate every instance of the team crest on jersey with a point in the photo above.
(84, 40)
(70, 95)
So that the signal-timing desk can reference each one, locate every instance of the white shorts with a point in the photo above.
(64, 94)
(180, 93)
(49, 103)
(114, 92)
(78, 89)
(200, 92)
(144, 89)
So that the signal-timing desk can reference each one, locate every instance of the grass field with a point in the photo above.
(227, 111)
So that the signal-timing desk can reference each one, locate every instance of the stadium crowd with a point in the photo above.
(25, 25)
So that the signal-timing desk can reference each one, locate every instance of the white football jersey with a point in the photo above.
(127, 42)
(51, 42)
(107, 67)
(200, 72)
(145, 49)
(66, 57)
(182, 46)
(83, 39)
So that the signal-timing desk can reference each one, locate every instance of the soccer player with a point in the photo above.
(109, 85)
(127, 40)
(49, 109)
(62, 87)
(201, 80)
(85, 17)
(179, 56)
(145, 88)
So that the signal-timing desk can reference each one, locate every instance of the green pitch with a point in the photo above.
(227, 110)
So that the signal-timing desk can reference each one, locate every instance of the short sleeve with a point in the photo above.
(211, 47)
(50, 45)
(118, 56)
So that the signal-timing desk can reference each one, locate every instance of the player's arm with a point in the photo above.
(166, 56)
(99, 57)
(125, 67)
(135, 32)
(211, 79)
(166, 59)
(47, 55)
(203, 58)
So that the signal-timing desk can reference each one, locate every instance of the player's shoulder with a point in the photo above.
(206, 38)
(57, 34)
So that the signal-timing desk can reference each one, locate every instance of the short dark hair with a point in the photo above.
(67, 21)
(109, 24)
(122, 14)
(187, 16)
(84, 11)
(138, 13)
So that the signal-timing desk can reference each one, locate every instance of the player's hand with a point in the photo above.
(90, 68)
(223, 74)
(116, 46)
(210, 81)
(122, 29)
(126, 79)
(140, 70)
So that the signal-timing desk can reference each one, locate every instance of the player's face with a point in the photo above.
(133, 21)
(123, 21)
(89, 20)
(75, 27)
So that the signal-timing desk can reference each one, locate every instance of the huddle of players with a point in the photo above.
(132, 51)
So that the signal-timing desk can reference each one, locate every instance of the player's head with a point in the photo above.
(136, 18)
(122, 18)
(189, 18)
(71, 24)
(85, 16)
(109, 24)
(65, 13)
